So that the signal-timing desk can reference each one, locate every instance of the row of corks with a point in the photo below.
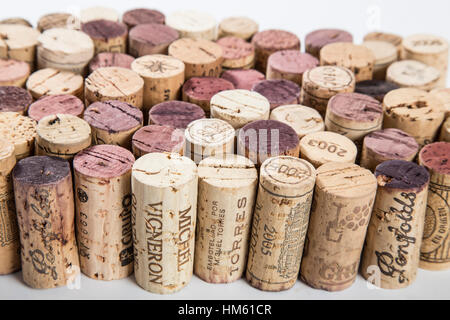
(173, 218)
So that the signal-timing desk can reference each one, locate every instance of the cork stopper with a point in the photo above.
(317, 39)
(107, 35)
(278, 92)
(177, 114)
(14, 99)
(19, 130)
(196, 52)
(53, 20)
(400, 174)
(243, 79)
(51, 81)
(156, 138)
(41, 170)
(241, 27)
(425, 44)
(276, 40)
(302, 119)
(49, 105)
(98, 13)
(444, 96)
(387, 37)
(20, 21)
(383, 51)
(375, 88)
(13, 72)
(15, 40)
(391, 144)
(435, 157)
(193, 24)
(237, 53)
(355, 106)
(7, 157)
(139, 16)
(415, 74)
(110, 59)
(153, 38)
(290, 65)
(326, 81)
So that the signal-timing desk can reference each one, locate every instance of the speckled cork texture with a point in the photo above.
(19, 130)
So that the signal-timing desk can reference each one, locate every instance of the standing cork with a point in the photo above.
(17, 20)
(103, 211)
(113, 122)
(226, 199)
(14, 99)
(290, 65)
(395, 230)
(45, 211)
(140, 16)
(278, 92)
(9, 232)
(444, 96)
(164, 214)
(98, 13)
(237, 53)
(343, 201)
(49, 105)
(240, 27)
(445, 131)
(163, 78)
(208, 137)
(375, 88)
(13, 72)
(322, 83)
(54, 20)
(202, 58)
(65, 50)
(388, 144)
(415, 112)
(146, 39)
(243, 79)
(19, 130)
(240, 107)
(393, 39)
(62, 135)
(324, 146)
(280, 223)
(110, 59)
(108, 36)
(193, 24)
(114, 83)
(177, 114)
(316, 40)
(385, 54)
(18, 42)
(156, 138)
(435, 253)
(47, 82)
(413, 74)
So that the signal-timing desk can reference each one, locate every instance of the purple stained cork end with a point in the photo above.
(400, 174)
(375, 88)
(154, 34)
(204, 88)
(138, 16)
(57, 104)
(41, 170)
(14, 99)
(391, 143)
(177, 114)
(156, 138)
(292, 61)
(104, 29)
(278, 92)
(436, 156)
(355, 106)
(243, 79)
(317, 39)
(111, 59)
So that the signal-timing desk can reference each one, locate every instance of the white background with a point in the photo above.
(403, 17)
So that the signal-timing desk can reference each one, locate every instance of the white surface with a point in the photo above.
(403, 17)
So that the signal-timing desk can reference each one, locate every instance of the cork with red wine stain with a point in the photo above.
(177, 114)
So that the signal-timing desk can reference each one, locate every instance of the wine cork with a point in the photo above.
(54, 20)
(342, 205)
(413, 74)
(444, 96)
(65, 50)
(237, 53)
(18, 42)
(208, 137)
(98, 13)
(19, 21)
(385, 54)
(62, 135)
(193, 24)
(270, 41)
(49, 81)
(177, 114)
(202, 58)
(388, 144)
(243, 79)
(304, 120)
(318, 39)
(108, 36)
(264, 139)
(140, 16)
(163, 78)
(434, 253)
(58, 104)
(156, 138)
(445, 131)
(278, 92)
(14, 99)
(415, 112)
(240, 27)
(240, 107)
(290, 65)
(114, 83)
(324, 146)
(153, 38)
(164, 220)
(9, 232)
(13, 72)
(429, 49)
(393, 39)
(19, 130)
(103, 211)
(113, 122)
(357, 58)
(280, 223)
(45, 210)
(226, 199)
(200, 90)
(375, 88)
(110, 59)
(322, 83)
(395, 230)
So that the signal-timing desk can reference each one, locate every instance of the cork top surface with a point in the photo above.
(320, 38)
(435, 157)
(41, 170)
(178, 114)
(443, 95)
(7, 156)
(400, 174)
(17, 129)
(375, 88)
(243, 79)
(239, 26)
(164, 170)
(355, 106)
(97, 13)
(278, 91)
(345, 180)
(391, 143)
(15, 36)
(191, 21)
(302, 119)
(332, 78)
(292, 61)
(275, 40)
(204, 88)
(111, 59)
(48, 105)
(143, 16)
(113, 116)
(114, 82)
(239, 107)
(384, 36)
(196, 51)
(411, 73)
(383, 51)
(14, 99)
(11, 70)
(104, 29)
(235, 48)
(53, 20)
(156, 138)
(228, 171)
(50, 81)
(63, 129)
(60, 41)
(154, 34)
(158, 66)
(209, 132)
(346, 54)
(425, 44)
(20, 21)
(103, 161)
